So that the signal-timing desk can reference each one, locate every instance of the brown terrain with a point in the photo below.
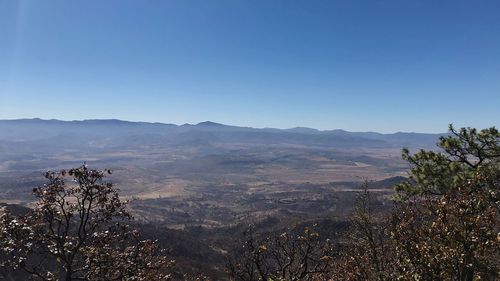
(204, 184)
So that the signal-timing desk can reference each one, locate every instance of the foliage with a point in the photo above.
(445, 223)
(449, 237)
(447, 226)
(463, 155)
(364, 257)
(289, 256)
(78, 231)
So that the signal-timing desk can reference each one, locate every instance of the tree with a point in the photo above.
(463, 156)
(452, 236)
(288, 256)
(447, 226)
(364, 255)
(445, 220)
(78, 231)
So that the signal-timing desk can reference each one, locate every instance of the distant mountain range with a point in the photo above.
(113, 132)
(158, 157)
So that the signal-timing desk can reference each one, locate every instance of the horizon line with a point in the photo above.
(215, 124)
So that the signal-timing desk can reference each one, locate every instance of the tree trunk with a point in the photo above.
(68, 274)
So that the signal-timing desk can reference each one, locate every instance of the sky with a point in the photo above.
(369, 65)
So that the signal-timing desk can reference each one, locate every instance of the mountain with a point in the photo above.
(203, 154)
(207, 173)
(112, 132)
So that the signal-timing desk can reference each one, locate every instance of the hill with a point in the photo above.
(208, 173)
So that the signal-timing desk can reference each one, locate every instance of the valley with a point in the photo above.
(208, 175)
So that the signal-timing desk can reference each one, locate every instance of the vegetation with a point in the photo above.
(445, 223)
(442, 224)
(78, 231)
(464, 157)
(288, 256)
(447, 227)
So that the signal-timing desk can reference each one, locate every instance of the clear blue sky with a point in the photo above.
(358, 65)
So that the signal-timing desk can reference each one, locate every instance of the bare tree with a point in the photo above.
(365, 252)
(289, 256)
(78, 231)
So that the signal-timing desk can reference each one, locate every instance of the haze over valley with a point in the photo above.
(207, 174)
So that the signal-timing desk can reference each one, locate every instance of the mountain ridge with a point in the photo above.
(207, 123)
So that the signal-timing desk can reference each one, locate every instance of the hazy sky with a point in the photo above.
(358, 65)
